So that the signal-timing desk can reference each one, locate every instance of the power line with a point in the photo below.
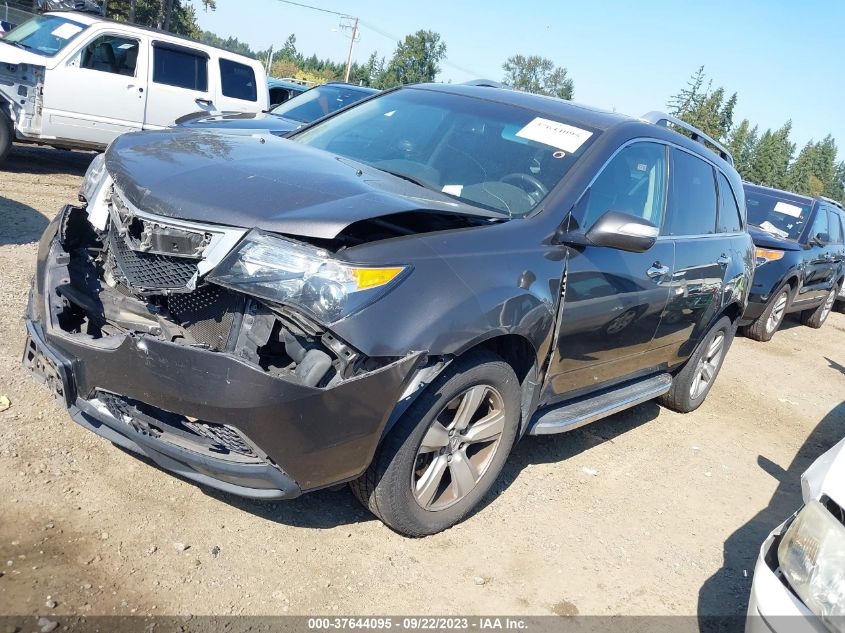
(308, 6)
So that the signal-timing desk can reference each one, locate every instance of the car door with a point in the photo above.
(613, 299)
(99, 92)
(818, 259)
(702, 255)
(178, 84)
(238, 87)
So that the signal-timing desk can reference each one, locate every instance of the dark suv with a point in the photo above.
(393, 296)
(800, 251)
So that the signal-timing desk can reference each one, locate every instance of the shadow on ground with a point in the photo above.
(19, 223)
(726, 592)
(32, 159)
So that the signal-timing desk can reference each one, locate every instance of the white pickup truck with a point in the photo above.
(74, 80)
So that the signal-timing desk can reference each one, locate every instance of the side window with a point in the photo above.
(692, 196)
(180, 67)
(111, 54)
(730, 220)
(238, 81)
(835, 227)
(820, 224)
(633, 182)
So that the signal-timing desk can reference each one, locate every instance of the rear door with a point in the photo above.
(100, 91)
(178, 84)
(702, 255)
(612, 298)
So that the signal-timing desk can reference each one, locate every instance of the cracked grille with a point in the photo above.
(207, 313)
(224, 436)
(148, 271)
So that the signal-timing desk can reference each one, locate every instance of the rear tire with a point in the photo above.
(816, 318)
(417, 482)
(839, 306)
(764, 327)
(691, 385)
(6, 135)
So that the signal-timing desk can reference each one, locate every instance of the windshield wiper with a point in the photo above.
(25, 47)
(399, 174)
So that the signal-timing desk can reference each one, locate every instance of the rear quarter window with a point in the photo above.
(238, 81)
(730, 219)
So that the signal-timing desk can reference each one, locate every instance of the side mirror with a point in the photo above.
(623, 231)
(822, 239)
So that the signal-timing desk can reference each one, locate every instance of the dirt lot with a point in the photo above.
(670, 524)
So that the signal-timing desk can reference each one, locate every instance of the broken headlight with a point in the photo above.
(283, 271)
(812, 559)
(93, 176)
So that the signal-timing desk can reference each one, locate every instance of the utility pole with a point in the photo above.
(269, 63)
(352, 41)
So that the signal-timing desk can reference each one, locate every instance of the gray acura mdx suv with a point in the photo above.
(391, 297)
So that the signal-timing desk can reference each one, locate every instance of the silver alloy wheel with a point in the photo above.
(778, 310)
(458, 447)
(828, 305)
(708, 365)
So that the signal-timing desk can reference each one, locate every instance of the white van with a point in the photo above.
(75, 80)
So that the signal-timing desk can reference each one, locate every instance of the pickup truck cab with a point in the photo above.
(75, 80)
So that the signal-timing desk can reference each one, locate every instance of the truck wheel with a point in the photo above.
(765, 326)
(691, 385)
(816, 318)
(839, 306)
(446, 450)
(6, 136)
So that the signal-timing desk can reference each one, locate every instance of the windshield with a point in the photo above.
(488, 154)
(318, 102)
(44, 34)
(784, 217)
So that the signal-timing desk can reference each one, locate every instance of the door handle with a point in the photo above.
(657, 270)
(205, 102)
(723, 260)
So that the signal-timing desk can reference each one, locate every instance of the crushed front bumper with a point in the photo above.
(298, 438)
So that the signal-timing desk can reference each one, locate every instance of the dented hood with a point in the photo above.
(261, 181)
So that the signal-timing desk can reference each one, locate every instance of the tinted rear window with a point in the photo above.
(180, 68)
(730, 219)
(692, 196)
(238, 81)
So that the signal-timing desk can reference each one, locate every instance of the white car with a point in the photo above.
(76, 80)
(799, 579)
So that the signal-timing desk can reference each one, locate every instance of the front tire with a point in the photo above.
(764, 327)
(6, 136)
(446, 450)
(816, 318)
(691, 385)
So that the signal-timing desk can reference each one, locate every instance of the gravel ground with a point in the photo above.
(647, 512)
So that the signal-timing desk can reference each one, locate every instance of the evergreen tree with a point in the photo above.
(707, 109)
(416, 59)
(742, 143)
(770, 162)
(538, 75)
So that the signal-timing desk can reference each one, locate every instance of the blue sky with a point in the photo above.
(785, 58)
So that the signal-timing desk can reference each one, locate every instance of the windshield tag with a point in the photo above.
(66, 31)
(771, 228)
(788, 209)
(453, 190)
(555, 134)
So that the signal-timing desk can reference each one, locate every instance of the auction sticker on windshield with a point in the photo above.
(66, 31)
(555, 134)
(788, 209)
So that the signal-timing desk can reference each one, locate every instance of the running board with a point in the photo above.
(585, 410)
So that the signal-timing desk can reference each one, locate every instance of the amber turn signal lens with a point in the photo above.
(372, 277)
(764, 255)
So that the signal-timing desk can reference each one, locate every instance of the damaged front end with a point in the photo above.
(21, 96)
(227, 389)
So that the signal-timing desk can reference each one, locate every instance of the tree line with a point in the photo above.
(764, 157)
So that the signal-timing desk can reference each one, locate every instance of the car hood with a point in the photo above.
(826, 476)
(261, 181)
(240, 121)
(764, 239)
(13, 55)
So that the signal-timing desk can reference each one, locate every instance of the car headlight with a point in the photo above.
(283, 271)
(812, 559)
(764, 255)
(93, 177)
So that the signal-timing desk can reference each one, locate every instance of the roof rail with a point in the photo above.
(831, 201)
(664, 120)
